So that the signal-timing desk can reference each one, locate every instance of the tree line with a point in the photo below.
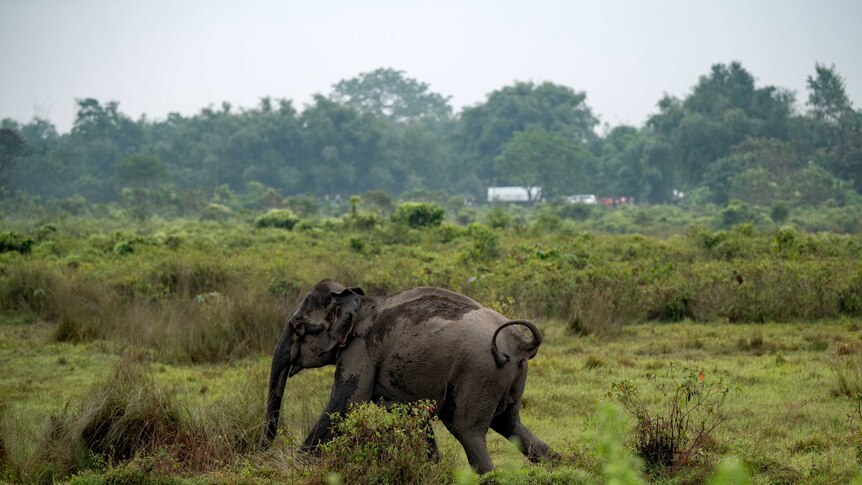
(727, 139)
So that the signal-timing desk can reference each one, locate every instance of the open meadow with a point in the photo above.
(140, 353)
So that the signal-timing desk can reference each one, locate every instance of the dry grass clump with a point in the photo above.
(131, 416)
(124, 415)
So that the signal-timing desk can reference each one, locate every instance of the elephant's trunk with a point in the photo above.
(277, 378)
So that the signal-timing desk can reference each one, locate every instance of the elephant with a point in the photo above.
(422, 343)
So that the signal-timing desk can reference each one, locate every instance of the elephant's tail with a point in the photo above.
(529, 349)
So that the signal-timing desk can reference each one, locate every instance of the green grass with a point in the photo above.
(786, 423)
(192, 309)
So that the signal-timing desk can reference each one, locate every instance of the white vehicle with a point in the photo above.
(589, 199)
(514, 194)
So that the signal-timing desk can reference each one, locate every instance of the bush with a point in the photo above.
(485, 243)
(419, 214)
(577, 212)
(498, 217)
(736, 212)
(602, 302)
(280, 218)
(779, 212)
(362, 220)
(376, 445)
(11, 241)
(692, 410)
(188, 277)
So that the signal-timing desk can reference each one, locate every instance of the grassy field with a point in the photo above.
(163, 328)
(786, 421)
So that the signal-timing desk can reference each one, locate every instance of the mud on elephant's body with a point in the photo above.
(423, 343)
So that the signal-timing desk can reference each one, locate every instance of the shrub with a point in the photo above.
(12, 241)
(373, 444)
(602, 302)
(498, 217)
(692, 410)
(280, 218)
(485, 243)
(188, 277)
(736, 212)
(419, 214)
(577, 212)
(363, 220)
(779, 212)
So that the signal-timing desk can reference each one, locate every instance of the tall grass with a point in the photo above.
(213, 293)
(129, 414)
(192, 322)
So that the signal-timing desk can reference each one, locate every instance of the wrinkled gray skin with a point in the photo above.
(423, 343)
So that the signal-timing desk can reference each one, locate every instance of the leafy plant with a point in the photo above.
(692, 409)
(485, 242)
(11, 241)
(280, 218)
(373, 444)
(419, 214)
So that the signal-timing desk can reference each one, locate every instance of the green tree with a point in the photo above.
(757, 171)
(486, 128)
(11, 147)
(827, 98)
(838, 127)
(389, 93)
(723, 109)
(634, 164)
(537, 158)
(342, 149)
(140, 170)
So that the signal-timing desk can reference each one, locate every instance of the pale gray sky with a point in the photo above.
(155, 57)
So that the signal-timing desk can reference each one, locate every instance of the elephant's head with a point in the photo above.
(317, 328)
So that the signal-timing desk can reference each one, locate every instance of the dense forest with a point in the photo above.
(727, 139)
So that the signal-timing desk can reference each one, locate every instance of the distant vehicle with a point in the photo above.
(589, 199)
(514, 194)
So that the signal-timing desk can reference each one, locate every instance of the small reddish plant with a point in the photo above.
(691, 410)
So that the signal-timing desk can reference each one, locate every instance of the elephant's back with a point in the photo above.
(429, 298)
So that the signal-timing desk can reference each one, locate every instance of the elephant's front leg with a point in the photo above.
(353, 383)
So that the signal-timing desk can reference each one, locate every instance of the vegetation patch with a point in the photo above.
(692, 409)
(280, 218)
(374, 444)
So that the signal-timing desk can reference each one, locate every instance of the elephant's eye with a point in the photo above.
(299, 327)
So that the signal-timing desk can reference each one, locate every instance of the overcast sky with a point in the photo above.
(155, 57)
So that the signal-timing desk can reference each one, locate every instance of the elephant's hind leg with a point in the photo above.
(464, 417)
(508, 423)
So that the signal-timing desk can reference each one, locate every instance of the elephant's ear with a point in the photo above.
(344, 310)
